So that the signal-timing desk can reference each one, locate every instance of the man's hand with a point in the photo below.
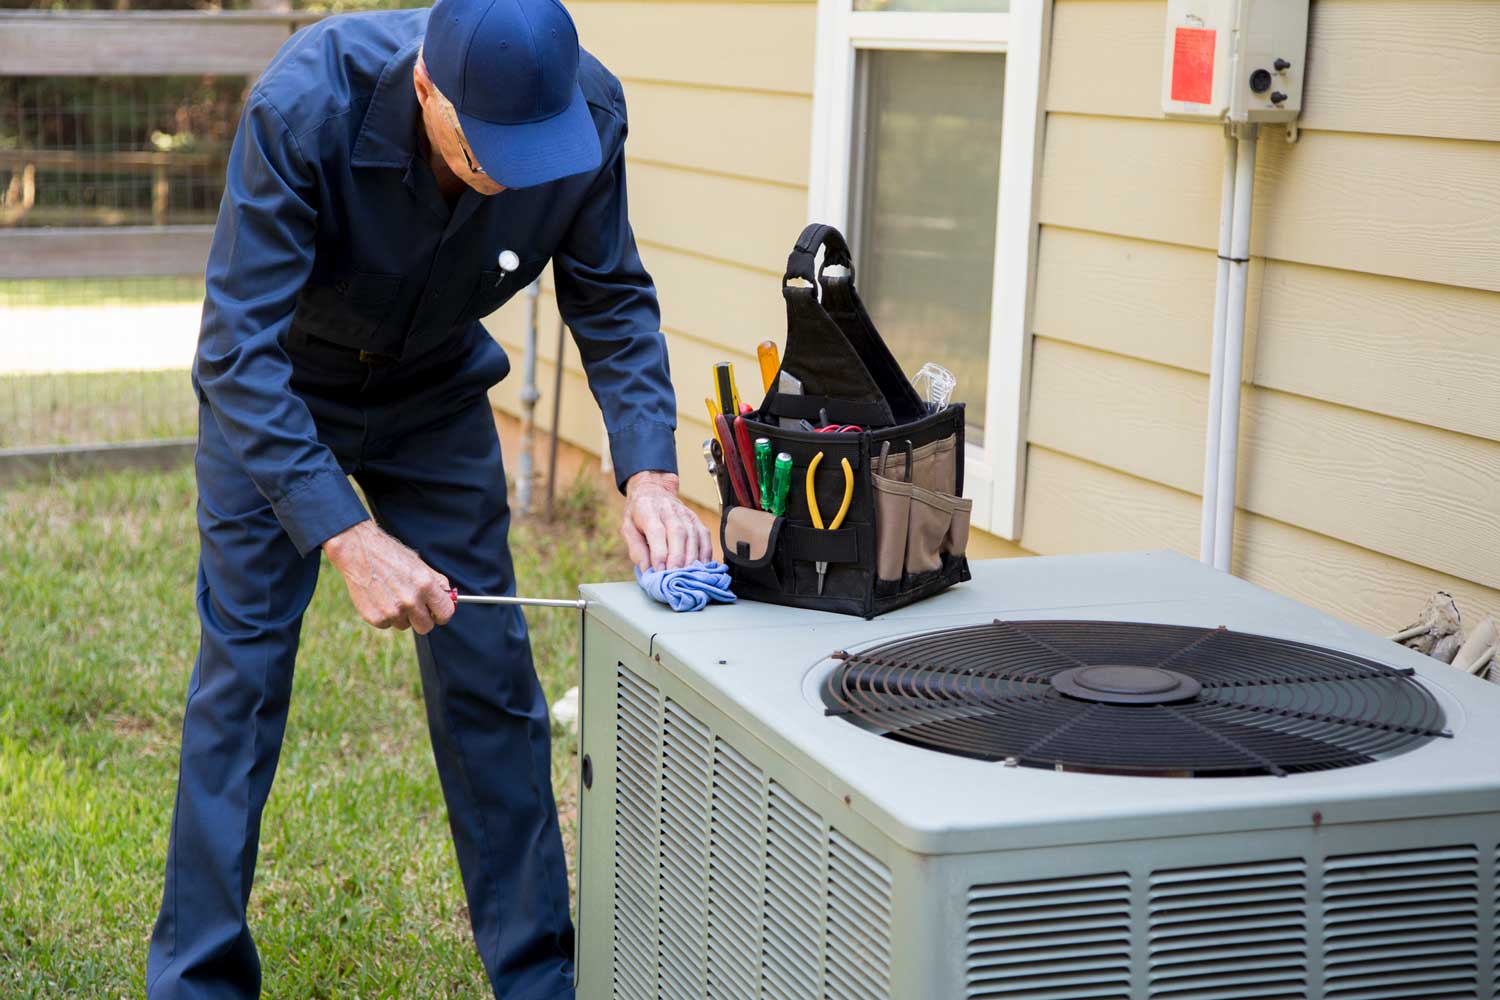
(659, 531)
(389, 583)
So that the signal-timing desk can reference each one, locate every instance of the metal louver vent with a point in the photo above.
(1052, 939)
(686, 791)
(737, 844)
(1235, 930)
(637, 826)
(727, 885)
(1403, 924)
(859, 908)
(795, 873)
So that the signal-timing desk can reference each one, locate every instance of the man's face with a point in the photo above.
(446, 135)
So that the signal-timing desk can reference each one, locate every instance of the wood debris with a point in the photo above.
(1439, 633)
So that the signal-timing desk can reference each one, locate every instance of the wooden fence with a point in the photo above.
(111, 44)
(126, 44)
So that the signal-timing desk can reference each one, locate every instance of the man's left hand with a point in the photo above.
(659, 531)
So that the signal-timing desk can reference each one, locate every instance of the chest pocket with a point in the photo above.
(357, 311)
(494, 288)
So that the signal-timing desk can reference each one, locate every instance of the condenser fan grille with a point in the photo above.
(1133, 698)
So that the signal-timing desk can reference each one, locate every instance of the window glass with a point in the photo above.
(924, 198)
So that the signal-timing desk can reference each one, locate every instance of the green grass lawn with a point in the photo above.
(95, 408)
(70, 408)
(357, 894)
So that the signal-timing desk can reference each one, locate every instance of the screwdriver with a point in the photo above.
(531, 602)
(764, 470)
(782, 484)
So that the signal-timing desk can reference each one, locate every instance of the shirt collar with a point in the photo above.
(388, 135)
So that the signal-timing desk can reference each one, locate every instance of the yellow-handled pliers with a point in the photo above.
(817, 516)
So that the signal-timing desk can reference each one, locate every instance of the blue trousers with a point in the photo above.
(422, 445)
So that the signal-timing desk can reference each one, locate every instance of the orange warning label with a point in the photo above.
(1193, 65)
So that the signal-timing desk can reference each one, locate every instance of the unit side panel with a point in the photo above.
(713, 868)
(603, 650)
(1385, 911)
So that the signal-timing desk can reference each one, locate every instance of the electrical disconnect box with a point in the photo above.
(1234, 60)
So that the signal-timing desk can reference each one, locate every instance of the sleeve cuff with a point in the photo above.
(317, 508)
(642, 447)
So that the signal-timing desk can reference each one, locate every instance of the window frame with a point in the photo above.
(995, 471)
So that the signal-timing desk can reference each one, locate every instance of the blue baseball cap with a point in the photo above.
(510, 68)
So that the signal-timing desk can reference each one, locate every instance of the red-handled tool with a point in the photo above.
(732, 460)
(747, 456)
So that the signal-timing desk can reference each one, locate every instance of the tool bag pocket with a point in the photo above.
(749, 539)
(844, 578)
(933, 465)
(841, 372)
(892, 515)
(938, 523)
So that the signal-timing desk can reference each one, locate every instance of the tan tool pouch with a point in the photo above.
(933, 466)
(892, 509)
(930, 531)
(956, 542)
(749, 536)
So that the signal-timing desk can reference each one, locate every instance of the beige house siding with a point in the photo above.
(720, 99)
(1370, 448)
(1370, 438)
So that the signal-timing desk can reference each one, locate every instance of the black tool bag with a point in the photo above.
(907, 526)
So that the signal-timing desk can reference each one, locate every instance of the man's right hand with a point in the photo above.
(390, 585)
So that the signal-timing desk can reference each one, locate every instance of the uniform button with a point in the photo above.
(436, 295)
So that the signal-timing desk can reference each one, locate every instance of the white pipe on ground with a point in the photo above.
(1234, 351)
(1216, 365)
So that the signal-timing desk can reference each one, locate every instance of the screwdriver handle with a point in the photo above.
(766, 354)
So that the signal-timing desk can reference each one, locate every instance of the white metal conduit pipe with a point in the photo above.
(1216, 363)
(1221, 451)
(525, 467)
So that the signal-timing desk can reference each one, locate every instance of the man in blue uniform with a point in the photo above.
(396, 176)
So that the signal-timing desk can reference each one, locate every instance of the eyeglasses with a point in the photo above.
(463, 146)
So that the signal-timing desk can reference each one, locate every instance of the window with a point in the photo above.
(926, 123)
(923, 198)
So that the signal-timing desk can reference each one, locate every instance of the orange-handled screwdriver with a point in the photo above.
(770, 362)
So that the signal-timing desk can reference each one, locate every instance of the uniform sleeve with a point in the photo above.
(261, 256)
(609, 302)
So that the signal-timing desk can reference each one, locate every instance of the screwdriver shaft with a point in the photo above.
(534, 602)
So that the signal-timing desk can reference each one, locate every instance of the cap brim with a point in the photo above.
(520, 156)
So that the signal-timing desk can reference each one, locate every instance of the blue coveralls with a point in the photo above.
(340, 337)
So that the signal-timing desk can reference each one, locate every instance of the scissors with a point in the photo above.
(838, 428)
(817, 516)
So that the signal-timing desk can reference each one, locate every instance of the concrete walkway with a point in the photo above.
(36, 339)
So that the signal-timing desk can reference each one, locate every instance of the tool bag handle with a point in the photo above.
(799, 264)
(833, 347)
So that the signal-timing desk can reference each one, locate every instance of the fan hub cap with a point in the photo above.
(1126, 684)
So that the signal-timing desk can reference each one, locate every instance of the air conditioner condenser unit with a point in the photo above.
(1112, 776)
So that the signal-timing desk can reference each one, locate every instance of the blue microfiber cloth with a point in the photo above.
(689, 588)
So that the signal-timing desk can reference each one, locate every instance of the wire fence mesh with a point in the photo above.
(96, 360)
(88, 356)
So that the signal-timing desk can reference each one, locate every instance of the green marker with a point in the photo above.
(783, 484)
(763, 470)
